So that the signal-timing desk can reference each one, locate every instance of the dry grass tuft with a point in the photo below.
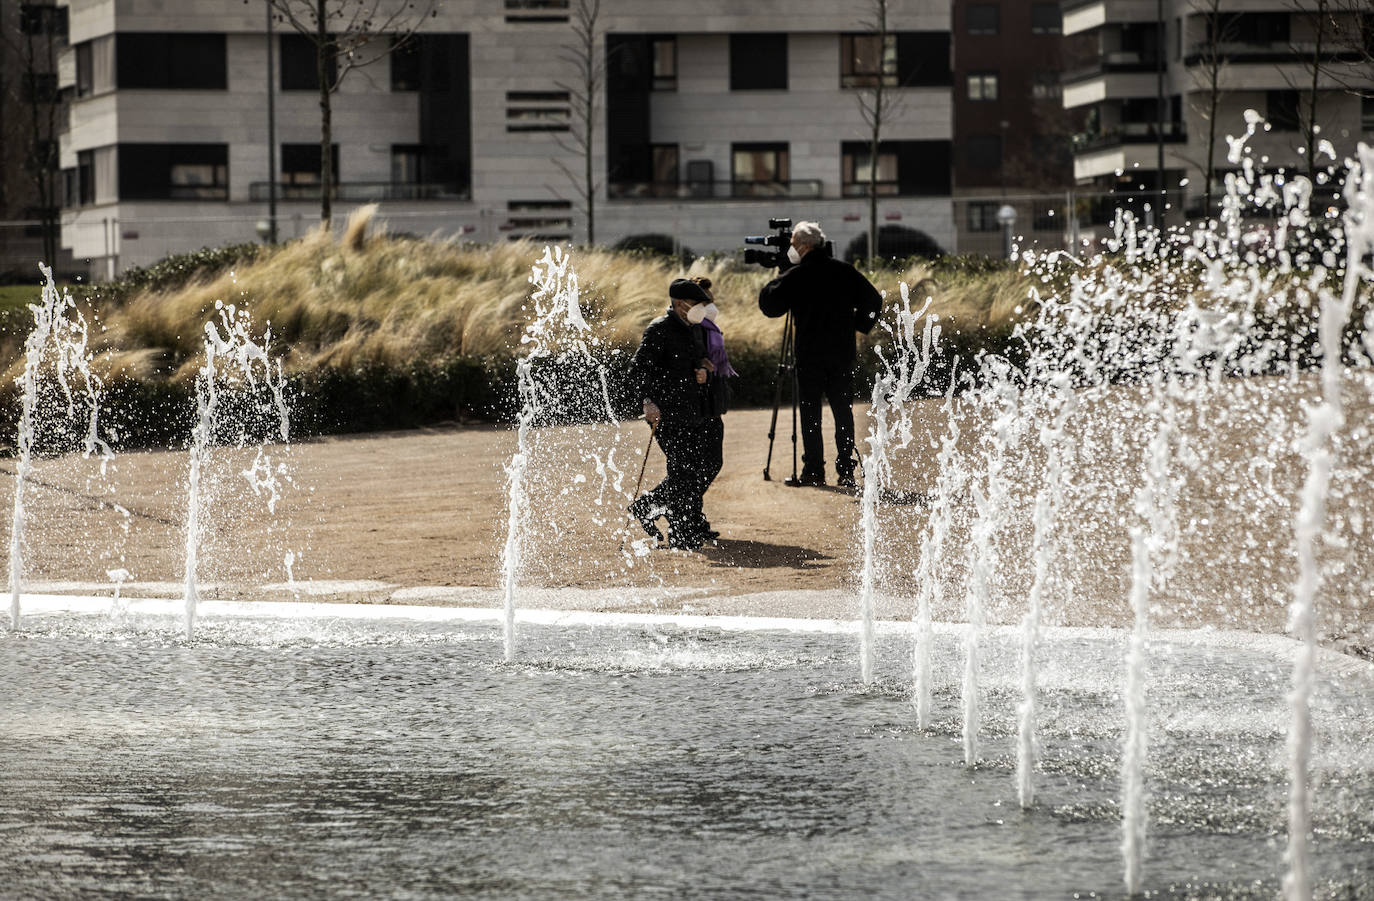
(393, 301)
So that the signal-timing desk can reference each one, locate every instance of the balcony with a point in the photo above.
(363, 191)
(1233, 52)
(713, 190)
(1130, 133)
(1116, 61)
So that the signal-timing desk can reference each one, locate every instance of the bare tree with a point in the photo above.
(32, 42)
(1352, 42)
(584, 94)
(1318, 61)
(348, 35)
(1212, 60)
(878, 102)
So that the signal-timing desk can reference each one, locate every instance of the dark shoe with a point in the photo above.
(807, 479)
(692, 542)
(846, 481)
(645, 514)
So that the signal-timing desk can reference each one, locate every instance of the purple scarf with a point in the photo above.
(715, 349)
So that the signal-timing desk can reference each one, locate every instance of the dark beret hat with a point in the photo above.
(686, 289)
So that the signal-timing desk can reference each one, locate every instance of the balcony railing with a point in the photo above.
(364, 191)
(1130, 133)
(1263, 52)
(712, 190)
(1115, 61)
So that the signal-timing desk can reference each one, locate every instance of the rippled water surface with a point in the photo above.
(326, 758)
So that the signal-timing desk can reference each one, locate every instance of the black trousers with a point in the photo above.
(836, 383)
(689, 450)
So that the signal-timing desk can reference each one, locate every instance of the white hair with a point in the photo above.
(808, 233)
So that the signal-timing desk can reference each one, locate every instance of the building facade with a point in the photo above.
(1013, 132)
(708, 119)
(1171, 79)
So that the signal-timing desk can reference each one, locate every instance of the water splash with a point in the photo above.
(57, 340)
(235, 359)
(902, 370)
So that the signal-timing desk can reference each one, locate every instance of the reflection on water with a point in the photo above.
(328, 759)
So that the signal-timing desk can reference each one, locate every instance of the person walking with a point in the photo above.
(717, 396)
(829, 301)
(669, 376)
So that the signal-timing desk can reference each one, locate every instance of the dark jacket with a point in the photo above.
(830, 300)
(663, 370)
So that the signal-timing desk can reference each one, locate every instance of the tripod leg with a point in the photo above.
(783, 366)
(795, 391)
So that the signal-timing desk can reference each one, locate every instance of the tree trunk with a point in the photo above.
(1213, 103)
(1312, 102)
(588, 137)
(323, 54)
(878, 100)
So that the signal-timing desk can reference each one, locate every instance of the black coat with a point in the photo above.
(829, 300)
(663, 370)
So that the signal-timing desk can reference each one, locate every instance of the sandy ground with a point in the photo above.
(422, 517)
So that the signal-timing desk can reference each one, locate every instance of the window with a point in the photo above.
(405, 65)
(1046, 86)
(1045, 217)
(982, 86)
(36, 18)
(85, 177)
(85, 70)
(1367, 114)
(923, 59)
(759, 170)
(663, 159)
(174, 171)
(1283, 110)
(856, 169)
(864, 58)
(551, 220)
(300, 163)
(982, 18)
(300, 64)
(538, 111)
(191, 62)
(982, 217)
(663, 53)
(984, 152)
(758, 62)
(1046, 19)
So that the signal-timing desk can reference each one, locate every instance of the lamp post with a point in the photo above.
(1006, 217)
(271, 132)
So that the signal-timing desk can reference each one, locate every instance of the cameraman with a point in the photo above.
(829, 300)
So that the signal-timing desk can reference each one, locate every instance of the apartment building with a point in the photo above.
(710, 118)
(1172, 78)
(31, 37)
(1013, 132)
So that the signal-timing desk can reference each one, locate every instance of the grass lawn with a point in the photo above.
(14, 297)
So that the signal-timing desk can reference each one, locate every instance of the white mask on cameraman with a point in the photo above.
(793, 255)
(697, 313)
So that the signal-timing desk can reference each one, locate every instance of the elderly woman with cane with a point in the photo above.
(670, 376)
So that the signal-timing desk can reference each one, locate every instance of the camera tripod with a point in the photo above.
(787, 365)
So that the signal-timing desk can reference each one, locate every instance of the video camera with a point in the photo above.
(781, 239)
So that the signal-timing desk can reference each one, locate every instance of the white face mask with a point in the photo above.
(709, 311)
(698, 313)
(793, 255)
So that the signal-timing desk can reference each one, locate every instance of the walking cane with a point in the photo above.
(645, 464)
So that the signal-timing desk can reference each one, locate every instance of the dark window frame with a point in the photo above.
(759, 61)
(851, 185)
(986, 21)
(293, 74)
(171, 61)
(307, 160)
(663, 81)
(983, 80)
(853, 75)
(85, 70)
(1046, 18)
(782, 167)
(145, 160)
(981, 217)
